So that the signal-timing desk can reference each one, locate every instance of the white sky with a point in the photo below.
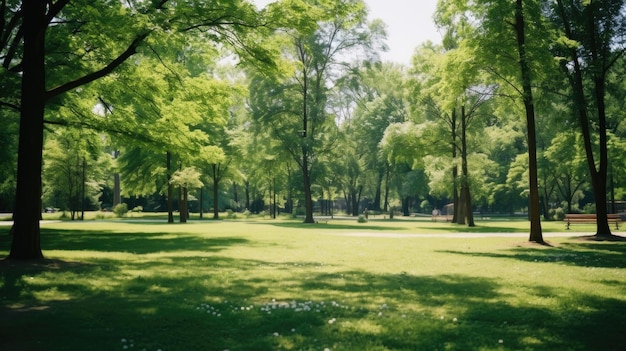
(409, 24)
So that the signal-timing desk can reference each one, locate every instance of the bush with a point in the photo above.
(120, 210)
(557, 214)
(230, 214)
(137, 209)
(362, 219)
(589, 208)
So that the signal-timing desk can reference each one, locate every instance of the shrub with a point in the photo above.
(137, 209)
(230, 214)
(120, 210)
(589, 208)
(362, 219)
(557, 214)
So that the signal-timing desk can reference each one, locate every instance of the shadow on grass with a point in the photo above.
(218, 303)
(139, 243)
(333, 226)
(458, 228)
(583, 254)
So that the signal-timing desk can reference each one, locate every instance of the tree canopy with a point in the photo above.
(290, 108)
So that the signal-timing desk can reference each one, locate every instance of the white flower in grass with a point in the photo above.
(455, 320)
(500, 341)
(276, 334)
(327, 349)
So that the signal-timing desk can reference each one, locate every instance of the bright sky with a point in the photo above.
(409, 24)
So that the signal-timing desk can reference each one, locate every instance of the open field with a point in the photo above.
(259, 284)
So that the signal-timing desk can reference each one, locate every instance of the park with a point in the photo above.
(257, 283)
(253, 175)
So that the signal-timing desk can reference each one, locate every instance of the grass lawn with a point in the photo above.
(263, 284)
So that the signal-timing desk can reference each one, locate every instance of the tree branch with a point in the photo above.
(131, 50)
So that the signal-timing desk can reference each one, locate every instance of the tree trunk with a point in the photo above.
(536, 234)
(465, 185)
(181, 206)
(455, 171)
(387, 179)
(170, 190)
(216, 195)
(184, 212)
(459, 209)
(82, 195)
(201, 199)
(26, 242)
(216, 198)
(377, 196)
(406, 201)
(308, 196)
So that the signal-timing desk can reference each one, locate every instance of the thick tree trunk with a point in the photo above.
(599, 178)
(26, 242)
(536, 234)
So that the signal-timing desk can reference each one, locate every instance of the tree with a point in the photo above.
(186, 178)
(494, 30)
(319, 38)
(123, 22)
(70, 169)
(591, 40)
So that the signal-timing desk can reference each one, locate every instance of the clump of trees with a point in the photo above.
(219, 105)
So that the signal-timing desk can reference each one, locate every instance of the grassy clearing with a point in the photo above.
(283, 285)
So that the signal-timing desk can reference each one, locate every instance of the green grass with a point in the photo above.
(282, 285)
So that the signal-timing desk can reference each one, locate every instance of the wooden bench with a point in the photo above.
(582, 218)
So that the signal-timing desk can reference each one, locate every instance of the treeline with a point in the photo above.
(219, 105)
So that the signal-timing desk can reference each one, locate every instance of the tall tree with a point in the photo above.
(494, 30)
(319, 38)
(592, 39)
(93, 50)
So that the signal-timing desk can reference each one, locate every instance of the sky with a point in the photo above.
(409, 24)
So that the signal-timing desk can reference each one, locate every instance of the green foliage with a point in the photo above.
(120, 209)
(187, 177)
(230, 214)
